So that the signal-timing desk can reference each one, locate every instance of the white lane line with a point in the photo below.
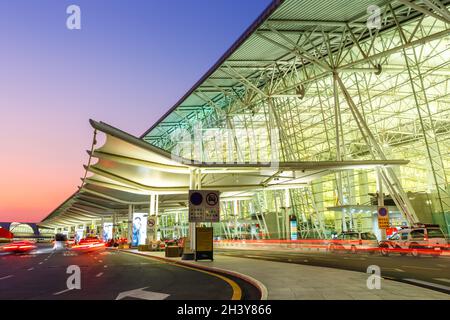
(61, 292)
(31, 269)
(7, 277)
(40, 262)
(434, 285)
(421, 268)
(442, 279)
(395, 269)
(99, 275)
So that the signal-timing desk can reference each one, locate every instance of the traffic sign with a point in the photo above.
(383, 218)
(204, 206)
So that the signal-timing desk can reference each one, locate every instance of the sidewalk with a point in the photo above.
(287, 281)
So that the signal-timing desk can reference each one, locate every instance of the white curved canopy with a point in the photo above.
(129, 170)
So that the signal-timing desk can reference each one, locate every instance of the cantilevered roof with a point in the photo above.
(275, 38)
(129, 170)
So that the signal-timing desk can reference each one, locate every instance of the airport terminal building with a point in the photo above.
(320, 113)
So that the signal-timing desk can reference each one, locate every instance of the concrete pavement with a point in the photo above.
(299, 282)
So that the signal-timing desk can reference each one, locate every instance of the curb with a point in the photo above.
(256, 283)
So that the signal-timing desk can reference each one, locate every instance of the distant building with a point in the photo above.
(24, 230)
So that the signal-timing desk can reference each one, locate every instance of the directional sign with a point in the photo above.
(204, 206)
(383, 218)
(142, 294)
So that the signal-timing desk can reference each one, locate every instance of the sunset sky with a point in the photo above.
(130, 62)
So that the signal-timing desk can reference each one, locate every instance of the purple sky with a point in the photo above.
(130, 62)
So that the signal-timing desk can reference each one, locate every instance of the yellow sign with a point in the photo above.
(204, 239)
(383, 218)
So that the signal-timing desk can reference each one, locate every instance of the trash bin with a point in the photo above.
(172, 252)
(143, 247)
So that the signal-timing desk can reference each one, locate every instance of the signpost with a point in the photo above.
(204, 243)
(383, 218)
(204, 206)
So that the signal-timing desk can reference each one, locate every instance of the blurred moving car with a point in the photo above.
(354, 241)
(18, 247)
(418, 239)
(89, 243)
(60, 241)
(5, 235)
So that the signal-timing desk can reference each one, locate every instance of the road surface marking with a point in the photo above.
(61, 292)
(430, 284)
(41, 262)
(99, 275)
(422, 268)
(142, 294)
(396, 269)
(7, 277)
(257, 257)
(105, 266)
(442, 279)
(31, 269)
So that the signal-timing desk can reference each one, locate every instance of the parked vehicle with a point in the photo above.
(417, 240)
(354, 241)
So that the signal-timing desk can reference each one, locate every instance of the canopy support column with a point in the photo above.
(380, 198)
(130, 224)
(114, 230)
(194, 184)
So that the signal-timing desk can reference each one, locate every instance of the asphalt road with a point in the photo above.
(105, 274)
(429, 272)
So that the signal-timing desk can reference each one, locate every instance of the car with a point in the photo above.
(89, 243)
(418, 239)
(18, 247)
(354, 241)
(60, 241)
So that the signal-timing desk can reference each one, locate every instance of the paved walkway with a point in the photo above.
(299, 282)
